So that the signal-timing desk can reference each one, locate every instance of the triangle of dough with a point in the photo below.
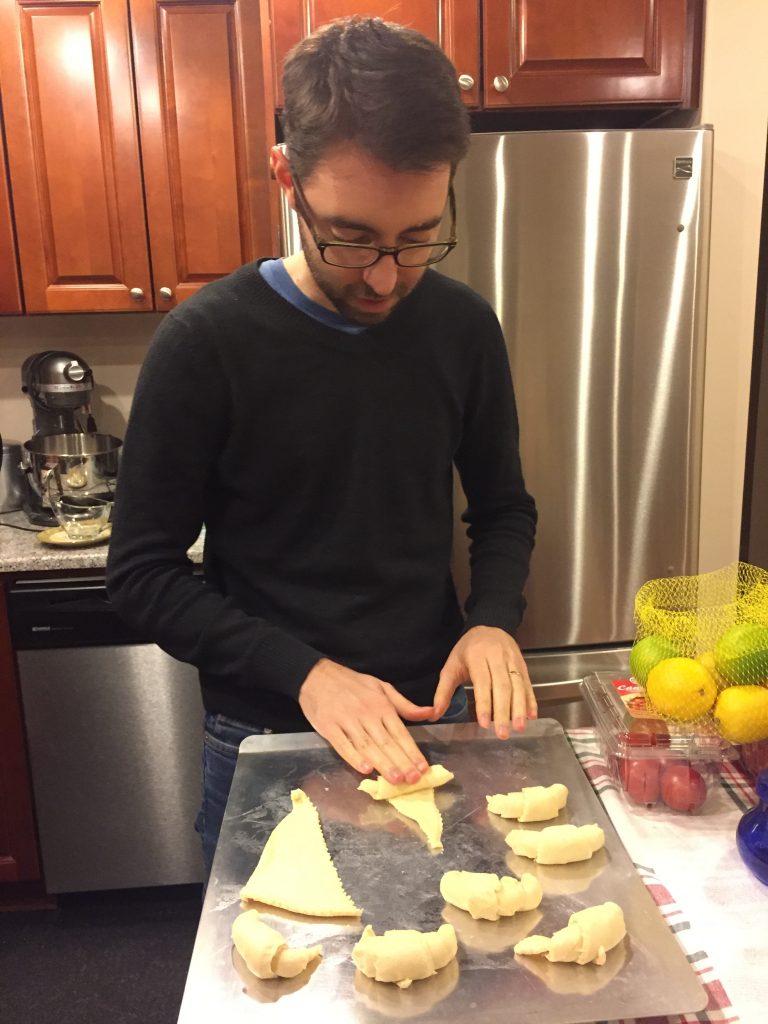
(421, 808)
(415, 800)
(295, 871)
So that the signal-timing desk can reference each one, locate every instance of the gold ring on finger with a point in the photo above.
(514, 672)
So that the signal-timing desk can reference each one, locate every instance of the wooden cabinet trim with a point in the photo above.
(10, 292)
(460, 23)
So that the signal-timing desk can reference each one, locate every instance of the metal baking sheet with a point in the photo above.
(387, 869)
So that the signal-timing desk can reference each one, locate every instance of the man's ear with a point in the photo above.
(281, 172)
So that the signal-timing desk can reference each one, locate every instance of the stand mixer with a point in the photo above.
(59, 385)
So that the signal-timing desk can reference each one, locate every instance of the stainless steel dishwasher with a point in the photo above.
(114, 730)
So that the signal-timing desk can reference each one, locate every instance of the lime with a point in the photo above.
(681, 688)
(742, 713)
(741, 654)
(649, 652)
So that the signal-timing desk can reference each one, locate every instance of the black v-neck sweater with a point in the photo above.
(321, 465)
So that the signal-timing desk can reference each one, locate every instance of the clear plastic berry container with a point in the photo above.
(753, 758)
(656, 765)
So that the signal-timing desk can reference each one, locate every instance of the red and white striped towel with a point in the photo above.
(719, 920)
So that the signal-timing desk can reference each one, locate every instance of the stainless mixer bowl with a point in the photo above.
(11, 477)
(88, 461)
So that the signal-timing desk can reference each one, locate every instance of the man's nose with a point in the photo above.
(382, 276)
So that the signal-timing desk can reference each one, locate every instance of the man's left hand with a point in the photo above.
(491, 660)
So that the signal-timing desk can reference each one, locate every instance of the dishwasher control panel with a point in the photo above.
(64, 613)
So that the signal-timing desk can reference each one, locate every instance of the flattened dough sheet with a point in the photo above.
(295, 870)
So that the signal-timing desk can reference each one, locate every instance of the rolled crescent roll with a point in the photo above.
(557, 844)
(531, 803)
(265, 951)
(404, 955)
(489, 897)
(586, 938)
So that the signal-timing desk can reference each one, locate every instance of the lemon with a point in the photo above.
(741, 654)
(681, 688)
(707, 659)
(742, 713)
(649, 652)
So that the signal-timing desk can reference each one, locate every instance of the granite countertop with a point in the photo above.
(21, 551)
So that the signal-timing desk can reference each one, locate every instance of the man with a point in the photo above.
(309, 412)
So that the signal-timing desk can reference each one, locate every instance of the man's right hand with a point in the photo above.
(360, 716)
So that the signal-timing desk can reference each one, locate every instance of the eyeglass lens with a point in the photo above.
(349, 256)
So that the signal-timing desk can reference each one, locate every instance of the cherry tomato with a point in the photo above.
(683, 788)
(641, 780)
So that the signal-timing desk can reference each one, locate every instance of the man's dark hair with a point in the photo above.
(387, 88)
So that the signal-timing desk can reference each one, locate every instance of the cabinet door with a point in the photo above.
(453, 24)
(74, 155)
(10, 296)
(559, 53)
(206, 126)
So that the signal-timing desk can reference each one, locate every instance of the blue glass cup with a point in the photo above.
(752, 833)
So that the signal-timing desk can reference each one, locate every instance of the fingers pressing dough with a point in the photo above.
(532, 803)
(404, 955)
(557, 844)
(295, 870)
(586, 938)
(265, 951)
(489, 897)
(380, 789)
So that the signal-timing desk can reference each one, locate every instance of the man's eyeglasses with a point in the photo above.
(354, 256)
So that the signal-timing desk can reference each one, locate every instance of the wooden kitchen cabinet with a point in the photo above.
(540, 54)
(454, 24)
(206, 126)
(73, 151)
(134, 204)
(566, 53)
(10, 293)
(19, 860)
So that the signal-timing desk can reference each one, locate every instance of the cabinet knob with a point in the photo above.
(466, 82)
(137, 294)
(166, 294)
(501, 83)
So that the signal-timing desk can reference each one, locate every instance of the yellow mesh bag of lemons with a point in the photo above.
(701, 650)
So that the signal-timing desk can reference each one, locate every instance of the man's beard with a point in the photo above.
(340, 295)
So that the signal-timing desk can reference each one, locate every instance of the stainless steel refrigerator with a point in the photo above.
(592, 247)
(754, 535)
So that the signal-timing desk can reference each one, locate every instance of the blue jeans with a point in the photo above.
(221, 741)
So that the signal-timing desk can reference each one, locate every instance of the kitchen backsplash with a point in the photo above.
(113, 344)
